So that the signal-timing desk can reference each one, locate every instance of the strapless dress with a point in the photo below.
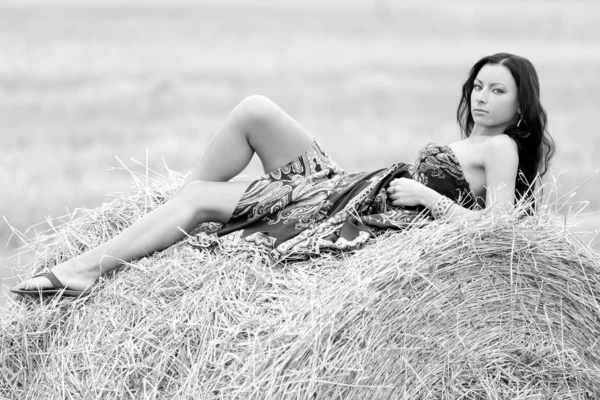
(311, 205)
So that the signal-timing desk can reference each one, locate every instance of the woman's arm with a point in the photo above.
(501, 162)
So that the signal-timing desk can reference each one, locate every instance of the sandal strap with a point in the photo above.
(55, 282)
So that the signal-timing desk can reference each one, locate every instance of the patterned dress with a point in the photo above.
(311, 205)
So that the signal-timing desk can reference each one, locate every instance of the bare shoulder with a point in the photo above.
(502, 143)
(501, 148)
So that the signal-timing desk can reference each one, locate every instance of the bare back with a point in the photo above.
(471, 154)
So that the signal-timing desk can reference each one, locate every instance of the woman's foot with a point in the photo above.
(73, 276)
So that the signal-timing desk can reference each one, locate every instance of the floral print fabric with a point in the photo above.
(311, 205)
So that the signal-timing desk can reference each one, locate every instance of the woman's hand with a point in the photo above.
(408, 192)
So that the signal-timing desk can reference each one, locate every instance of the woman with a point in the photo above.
(307, 204)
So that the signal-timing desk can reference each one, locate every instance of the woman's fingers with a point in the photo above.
(396, 187)
(404, 192)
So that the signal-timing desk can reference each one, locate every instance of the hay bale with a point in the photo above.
(497, 309)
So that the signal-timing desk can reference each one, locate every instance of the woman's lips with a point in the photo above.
(480, 111)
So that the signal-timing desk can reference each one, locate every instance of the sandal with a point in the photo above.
(57, 289)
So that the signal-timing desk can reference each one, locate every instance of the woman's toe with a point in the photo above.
(36, 283)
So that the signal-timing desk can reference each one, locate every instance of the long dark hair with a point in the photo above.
(535, 145)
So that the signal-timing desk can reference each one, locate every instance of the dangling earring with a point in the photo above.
(520, 119)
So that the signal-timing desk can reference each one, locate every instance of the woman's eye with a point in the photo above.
(498, 91)
(477, 87)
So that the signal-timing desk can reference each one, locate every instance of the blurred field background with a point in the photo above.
(373, 80)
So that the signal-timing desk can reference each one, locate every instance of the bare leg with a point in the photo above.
(255, 125)
(198, 202)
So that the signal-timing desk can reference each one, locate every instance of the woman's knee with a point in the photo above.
(191, 197)
(255, 112)
(211, 201)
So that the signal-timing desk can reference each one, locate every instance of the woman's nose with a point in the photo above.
(480, 98)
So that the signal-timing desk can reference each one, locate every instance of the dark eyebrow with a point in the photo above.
(492, 84)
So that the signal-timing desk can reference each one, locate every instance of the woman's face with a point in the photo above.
(494, 99)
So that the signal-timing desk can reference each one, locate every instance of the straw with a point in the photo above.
(494, 307)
